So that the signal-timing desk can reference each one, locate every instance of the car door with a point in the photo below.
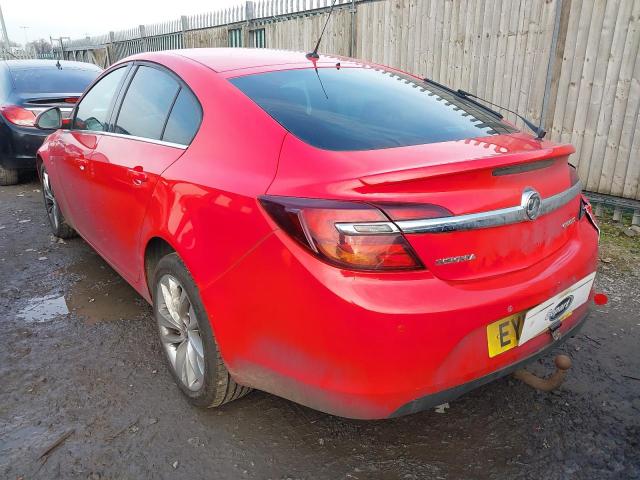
(77, 144)
(128, 161)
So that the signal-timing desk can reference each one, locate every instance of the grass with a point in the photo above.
(615, 246)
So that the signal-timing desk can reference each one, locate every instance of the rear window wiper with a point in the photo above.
(469, 97)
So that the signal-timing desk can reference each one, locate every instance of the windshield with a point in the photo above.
(365, 108)
(52, 80)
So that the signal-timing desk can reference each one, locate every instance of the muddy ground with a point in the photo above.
(95, 378)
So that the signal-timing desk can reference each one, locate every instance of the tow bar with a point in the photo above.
(563, 364)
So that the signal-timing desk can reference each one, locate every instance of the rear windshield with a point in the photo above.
(52, 80)
(365, 108)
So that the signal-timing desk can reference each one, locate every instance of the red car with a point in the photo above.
(338, 233)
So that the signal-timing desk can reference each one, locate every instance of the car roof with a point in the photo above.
(47, 64)
(248, 59)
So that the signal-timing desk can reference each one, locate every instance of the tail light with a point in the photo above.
(587, 210)
(350, 235)
(413, 211)
(573, 174)
(18, 115)
(71, 100)
(585, 205)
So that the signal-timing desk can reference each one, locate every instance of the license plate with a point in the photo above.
(515, 330)
(504, 334)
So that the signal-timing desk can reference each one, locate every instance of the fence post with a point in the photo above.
(143, 36)
(109, 47)
(599, 211)
(352, 32)
(554, 66)
(250, 13)
(5, 35)
(617, 214)
(61, 49)
(250, 10)
(184, 26)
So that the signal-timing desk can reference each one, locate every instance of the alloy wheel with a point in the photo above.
(50, 200)
(180, 332)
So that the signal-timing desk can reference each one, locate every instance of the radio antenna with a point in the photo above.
(314, 54)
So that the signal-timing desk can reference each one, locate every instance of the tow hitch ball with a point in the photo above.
(563, 364)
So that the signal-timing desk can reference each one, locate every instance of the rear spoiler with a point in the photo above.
(468, 165)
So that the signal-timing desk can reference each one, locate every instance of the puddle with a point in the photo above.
(99, 294)
(40, 309)
(95, 293)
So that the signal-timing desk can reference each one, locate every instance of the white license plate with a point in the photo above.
(539, 318)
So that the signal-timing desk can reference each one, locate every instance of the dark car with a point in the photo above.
(28, 87)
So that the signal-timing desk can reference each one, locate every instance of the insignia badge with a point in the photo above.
(531, 202)
(458, 259)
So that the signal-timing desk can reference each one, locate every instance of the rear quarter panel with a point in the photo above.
(204, 205)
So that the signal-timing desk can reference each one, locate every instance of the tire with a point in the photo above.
(188, 339)
(8, 176)
(59, 227)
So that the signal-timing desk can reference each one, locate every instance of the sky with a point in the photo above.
(79, 18)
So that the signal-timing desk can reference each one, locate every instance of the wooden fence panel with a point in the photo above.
(499, 49)
(598, 95)
(300, 33)
(208, 37)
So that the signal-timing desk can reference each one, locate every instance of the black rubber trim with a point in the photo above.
(525, 167)
(432, 400)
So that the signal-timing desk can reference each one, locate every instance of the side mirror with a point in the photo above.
(50, 119)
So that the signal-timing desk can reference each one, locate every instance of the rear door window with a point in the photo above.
(93, 110)
(366, 108)
(184, 120)
(147, 103)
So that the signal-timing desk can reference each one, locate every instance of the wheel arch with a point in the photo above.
(39, 162)
(155, 248)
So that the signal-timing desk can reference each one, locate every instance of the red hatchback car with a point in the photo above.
(341, 234)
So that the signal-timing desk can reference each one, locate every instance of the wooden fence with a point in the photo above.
(571, 64)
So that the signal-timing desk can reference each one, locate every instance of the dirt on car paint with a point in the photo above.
(85, 392)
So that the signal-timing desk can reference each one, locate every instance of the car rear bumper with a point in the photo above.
(432, 400)
(371, 345)
(19, 146)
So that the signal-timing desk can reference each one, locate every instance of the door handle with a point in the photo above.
(137, 175)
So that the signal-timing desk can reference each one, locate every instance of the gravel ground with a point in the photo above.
(85, 392)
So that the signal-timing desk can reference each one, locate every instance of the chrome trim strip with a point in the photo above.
(141, 139)
(558, 200)
(131, 137)
(491, 218)
(367, 228)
